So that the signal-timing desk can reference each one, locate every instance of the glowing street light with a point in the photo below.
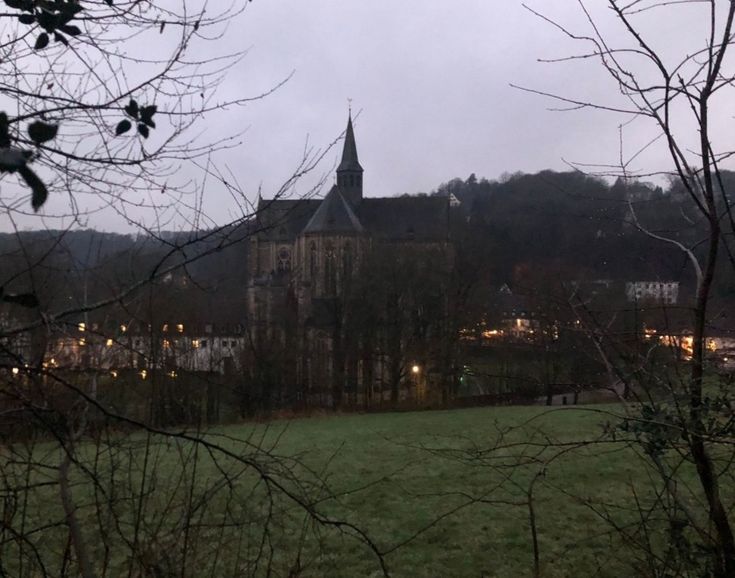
(415, 369)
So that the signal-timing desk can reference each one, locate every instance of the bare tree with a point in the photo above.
(100, 102)
(682, 98)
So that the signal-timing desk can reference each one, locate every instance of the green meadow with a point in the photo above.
(435, 493)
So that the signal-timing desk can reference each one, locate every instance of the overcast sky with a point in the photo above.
(431, 81)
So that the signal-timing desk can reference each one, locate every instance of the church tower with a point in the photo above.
(349, 171)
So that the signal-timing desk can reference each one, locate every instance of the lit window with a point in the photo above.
(82, 326)
(109, 343)
(143, 373)
(195, 343)
(82, 341)
(16, 371)
(180, 327)
(113, 373)
(123, 328)
(165, 327)
(166, 344)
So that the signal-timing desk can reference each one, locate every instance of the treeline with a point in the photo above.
(525, 230)
(66, 270)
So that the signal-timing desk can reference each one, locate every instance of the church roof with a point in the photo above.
(334, 215)
(349, 151)
(284, 219)
(386, 218)
(406, 218)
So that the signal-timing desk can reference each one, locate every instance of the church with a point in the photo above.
(346, 294)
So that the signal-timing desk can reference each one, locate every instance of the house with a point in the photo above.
(664, 292)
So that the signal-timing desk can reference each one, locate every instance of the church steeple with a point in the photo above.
(349, 171)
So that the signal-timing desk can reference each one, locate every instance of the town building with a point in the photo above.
(316, 264)
(662, 292)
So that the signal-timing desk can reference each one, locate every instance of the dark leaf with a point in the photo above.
(68, 12)
(23, 299)
(132, 109)
(73, 8)
(20, 5)
(122, 127)
(41, 41)
(47, 20)
(71, 30)
(163, 25)
(143, 129)
(61, 38)
(108, 2)
(196, 25)
(4, 132)
(147, 112)
(27, 18)
(38, 189)
(40, 132)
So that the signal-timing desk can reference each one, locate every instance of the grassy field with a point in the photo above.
(422, 486)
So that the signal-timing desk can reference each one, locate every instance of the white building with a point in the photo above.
(666, 292)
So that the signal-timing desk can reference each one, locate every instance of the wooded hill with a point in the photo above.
(522, 230)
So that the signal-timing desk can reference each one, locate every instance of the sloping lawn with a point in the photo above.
(422, 486)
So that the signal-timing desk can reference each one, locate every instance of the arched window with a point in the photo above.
(347, 260)
(330, 270)
(284, 260)
(313, 261)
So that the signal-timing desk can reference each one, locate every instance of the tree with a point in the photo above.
(681, 98)
(100, 98)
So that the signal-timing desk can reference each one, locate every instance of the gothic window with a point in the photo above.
(284, 260)
(313, 257)
(347, 259)
(330, 270)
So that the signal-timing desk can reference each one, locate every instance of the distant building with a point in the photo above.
(173, 348)
(664, 292)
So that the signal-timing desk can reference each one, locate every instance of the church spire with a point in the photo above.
(349, 151)
(349, 171)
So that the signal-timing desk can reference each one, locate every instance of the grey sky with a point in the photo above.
(431, 81)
